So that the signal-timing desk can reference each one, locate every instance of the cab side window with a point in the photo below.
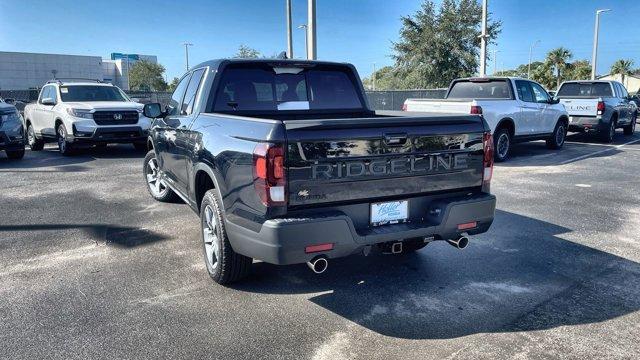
(524, 91)
(190, 94)
(623, 91)
(539, 93)
(178, 95)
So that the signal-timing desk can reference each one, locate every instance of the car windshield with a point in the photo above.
(491, 89)
(266, 88)
(91, 93)
(585, 89)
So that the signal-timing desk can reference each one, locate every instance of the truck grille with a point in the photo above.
(115, 117)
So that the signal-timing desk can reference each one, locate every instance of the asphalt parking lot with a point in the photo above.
(92, 267)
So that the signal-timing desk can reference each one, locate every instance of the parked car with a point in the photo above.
(284, 162)
(11, 131)
(79, 114)
(598, 107)
(516, 110)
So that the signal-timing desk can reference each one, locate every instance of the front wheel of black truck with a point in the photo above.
(156, 186)
(224, 265)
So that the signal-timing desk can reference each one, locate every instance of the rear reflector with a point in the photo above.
(467, 226)
(318, 248)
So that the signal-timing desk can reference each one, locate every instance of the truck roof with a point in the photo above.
(217, 63)
(489, 78)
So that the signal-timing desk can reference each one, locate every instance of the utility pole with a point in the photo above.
(483, 40)
(374, 76)
(311, 30)
(289, 34)
(594, 55)
(186, 53)
(306, 37)
(531, 51)
(495, 60)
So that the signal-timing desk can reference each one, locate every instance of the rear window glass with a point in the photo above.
(585, 89)
(266, 89)
(494, 89)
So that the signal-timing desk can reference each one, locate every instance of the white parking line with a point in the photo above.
(598, 152)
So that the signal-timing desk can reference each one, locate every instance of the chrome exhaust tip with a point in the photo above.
(459, 243)
(318, 265)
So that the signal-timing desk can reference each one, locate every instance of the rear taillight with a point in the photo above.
(269, 177)
(487, 160)
(404, 107)
(476, 110)
(600, 107)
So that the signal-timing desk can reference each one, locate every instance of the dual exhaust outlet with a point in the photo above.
(319, 264)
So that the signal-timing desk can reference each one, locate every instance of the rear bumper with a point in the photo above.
(587, 124)
(120, 134)
(283, 241)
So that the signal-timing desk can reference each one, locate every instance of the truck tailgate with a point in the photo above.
(439, 106)
(580, 107)
(348, 160)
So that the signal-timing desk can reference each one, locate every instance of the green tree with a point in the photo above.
(147, 76)
(622, 67)
(558, 58)
(173, 85)
(438, 45)
(579, 70)
(542, 73)
(245, 52)
(385, 79)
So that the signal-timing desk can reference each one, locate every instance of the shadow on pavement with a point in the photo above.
(521, 276)
(53, 161)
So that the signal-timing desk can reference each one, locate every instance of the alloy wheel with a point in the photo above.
(210, 237)
(503, 145)
(560, 135)
(156, 185)
(62, 143)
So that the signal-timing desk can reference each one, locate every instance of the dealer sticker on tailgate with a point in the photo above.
(392, 212)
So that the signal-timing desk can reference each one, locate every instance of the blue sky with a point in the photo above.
(356, 31)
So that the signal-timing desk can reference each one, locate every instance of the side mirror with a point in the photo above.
(554, 101)
(152, 110)
(48, 101)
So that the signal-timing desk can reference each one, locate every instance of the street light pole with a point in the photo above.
(311, 30)
(495, 60)
(289, 34)
(306, 36)
(186, 53)
(594, 55)
(531, 51)
(483, 40)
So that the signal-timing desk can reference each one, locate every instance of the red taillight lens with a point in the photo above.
(487, 161)
(600, 107)
(269, 176)
(476, 110)
(404, 107)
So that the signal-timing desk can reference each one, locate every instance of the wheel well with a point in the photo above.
(203, 183)
(564, 119)
(508, 124)
(58, 122)
(614, 118)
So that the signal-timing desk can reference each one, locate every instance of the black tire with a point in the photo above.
(607, 135)
(140, 146)
(15, 154)
(157, 189)
(34, 143)
(631, 128)
(224, 265)
(556, 141)
(502, 137)
(64, 147)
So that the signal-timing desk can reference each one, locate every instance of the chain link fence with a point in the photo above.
(393, 99)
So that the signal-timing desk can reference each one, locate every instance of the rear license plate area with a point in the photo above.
(390, 212)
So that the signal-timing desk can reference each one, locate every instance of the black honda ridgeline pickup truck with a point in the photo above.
(284, 162)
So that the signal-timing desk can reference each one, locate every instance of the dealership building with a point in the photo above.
(22, 71)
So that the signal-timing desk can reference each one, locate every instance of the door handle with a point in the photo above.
(395, 139)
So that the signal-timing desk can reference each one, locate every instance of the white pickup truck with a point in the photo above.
(598, 107)
(82, 114)
(515, 109)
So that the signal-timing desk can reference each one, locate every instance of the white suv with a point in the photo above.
(82, 114)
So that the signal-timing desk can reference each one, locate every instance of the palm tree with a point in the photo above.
(622, 67)
(558, 58)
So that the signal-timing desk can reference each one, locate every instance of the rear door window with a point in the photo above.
(525, 93)
(585, 89)
(481, 89)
